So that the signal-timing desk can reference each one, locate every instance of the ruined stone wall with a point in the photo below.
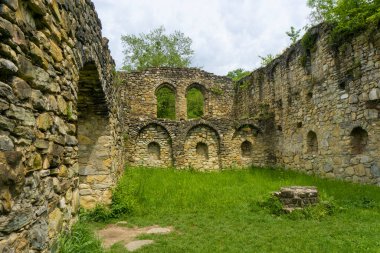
(139, 92)
(55, 89)
(213, 142)
(201, 144)
(324, 103)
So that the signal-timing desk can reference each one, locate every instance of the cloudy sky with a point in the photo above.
(226, 34)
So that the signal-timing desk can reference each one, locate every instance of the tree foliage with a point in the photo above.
(238, 74)
(293, 34)
(165, 103)
(348, 17)
(156, 49)
(195, 103)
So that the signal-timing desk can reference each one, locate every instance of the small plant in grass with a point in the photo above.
(100, 213)
(272, 205)
(79, 240)
(314, 212)
(124, 202)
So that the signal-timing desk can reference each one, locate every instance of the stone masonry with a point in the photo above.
(312, 109)
(67, 129)
(212, 142)
(58, 123)
(324, 103)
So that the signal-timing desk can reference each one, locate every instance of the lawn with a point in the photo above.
(221, 212)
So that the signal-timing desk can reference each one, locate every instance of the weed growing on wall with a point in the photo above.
(79, 240)
(124, 202)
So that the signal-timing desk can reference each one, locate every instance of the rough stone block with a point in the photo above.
(21, 88)
(296, 197)
(374, 94)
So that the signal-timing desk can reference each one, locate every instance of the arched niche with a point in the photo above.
(246, 146)
(166, 101)
(196, 101)
(154, 150)
(246, 149)
(312, 142)
(153, 147)
(359, 140)
(202, 148)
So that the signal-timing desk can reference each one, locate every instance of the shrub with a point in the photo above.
(272, 205)
(79, 240)
(124, 202)
(124, 197)
(314, 212)
(100, 213)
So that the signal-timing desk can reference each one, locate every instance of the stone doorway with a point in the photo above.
(94, 139)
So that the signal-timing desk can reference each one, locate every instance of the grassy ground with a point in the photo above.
(220, 212)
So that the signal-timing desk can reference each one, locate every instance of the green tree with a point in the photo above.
(156, 49)
(321, 10)
(165, 103)
(238, 74)
(348, 17)
(195, 103)
(293, 34)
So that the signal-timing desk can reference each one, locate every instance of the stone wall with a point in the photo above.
(313, 109)
(213, 142)
(324, 103)
(55, 90)
(139, 92)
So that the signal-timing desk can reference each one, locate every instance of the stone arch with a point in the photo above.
(93, 132)
(166, 106)
(202, 148)
(204, 103)
(247, 129)
(312, 142)
(359, 140)
(153, 147)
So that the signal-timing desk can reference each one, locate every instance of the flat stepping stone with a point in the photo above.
(159, 231)
(135, 245)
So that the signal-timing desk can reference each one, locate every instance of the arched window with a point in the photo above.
(359, 140)
(246, 149)
(195, 103)
(202, 150)
(312, 142)
(165, 96)
(154, 150)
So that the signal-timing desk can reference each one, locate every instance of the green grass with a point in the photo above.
(221, 212)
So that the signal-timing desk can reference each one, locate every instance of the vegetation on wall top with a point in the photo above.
(348, 17)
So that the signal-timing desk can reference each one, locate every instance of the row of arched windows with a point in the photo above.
(154, 150)
(166, 102)
(358, 141)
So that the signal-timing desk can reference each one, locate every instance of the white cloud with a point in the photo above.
(226, 34)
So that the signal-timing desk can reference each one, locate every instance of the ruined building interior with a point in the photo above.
(67, 129)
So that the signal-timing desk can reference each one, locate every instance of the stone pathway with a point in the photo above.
(115, 233)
